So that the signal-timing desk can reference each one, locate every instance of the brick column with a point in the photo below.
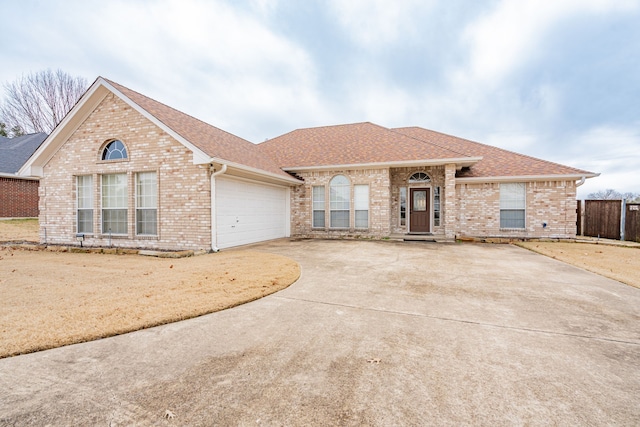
(450, 201)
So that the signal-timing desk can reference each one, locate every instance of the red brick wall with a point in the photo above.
(18, 198)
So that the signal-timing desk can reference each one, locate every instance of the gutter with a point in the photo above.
(582, 180)
(460, 162)
(16, 176)
(214, 174)
(568, 177)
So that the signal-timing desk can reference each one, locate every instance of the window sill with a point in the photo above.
(513, 229)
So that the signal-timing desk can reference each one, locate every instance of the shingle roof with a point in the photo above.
(214, 142)
(351, 144)
(495, 161)
(14, 152)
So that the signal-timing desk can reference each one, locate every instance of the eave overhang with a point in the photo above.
(238, 169)
(514, 178)
(459, 162)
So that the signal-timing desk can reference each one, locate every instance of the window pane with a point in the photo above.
(146, 221)
(362, 219)
(114, 221)
(340, 201)
(114, 203)
(361, 197)
(512, 196)
(318, 206)
(419, 177)
(436, 206)
(147, 193)
(512, 205)
(84, 213)
(403, 205)
(340, 197)
(85, 220)
(146, 203)
(318, 219)
(419, 200)
(512, 218)
(114, 191)
(114, 150)
(318, 198)
(340, 219)
(85, 192)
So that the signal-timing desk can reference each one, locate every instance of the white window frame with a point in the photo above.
(113, 203)
(402, 203)
(513, 200)
(84, 204)
(437, 206)
(318, 197)
(361, 205)
(147, 203)
(340, 202)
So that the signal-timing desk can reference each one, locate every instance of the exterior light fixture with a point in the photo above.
(80, 238)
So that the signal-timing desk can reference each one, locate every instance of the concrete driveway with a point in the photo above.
(373, 333)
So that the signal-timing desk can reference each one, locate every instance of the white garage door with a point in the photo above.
(248, 212)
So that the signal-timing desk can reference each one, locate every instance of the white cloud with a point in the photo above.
(614, 152)
(511, 34)
(378, 22)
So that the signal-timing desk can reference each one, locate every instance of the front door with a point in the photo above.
(419, 212)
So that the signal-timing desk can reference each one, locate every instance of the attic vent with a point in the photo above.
(419, 177)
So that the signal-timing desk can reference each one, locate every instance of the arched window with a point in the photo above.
(340, 201)
(115, 150)
(419, 177)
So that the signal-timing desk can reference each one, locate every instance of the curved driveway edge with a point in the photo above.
(373, 333)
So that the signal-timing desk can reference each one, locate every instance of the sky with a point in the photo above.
(554, 79)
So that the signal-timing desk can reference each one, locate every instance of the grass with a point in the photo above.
(19, 230)
(621, 263)
(51, 299)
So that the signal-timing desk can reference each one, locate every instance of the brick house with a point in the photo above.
(18, 195)
(125, 170)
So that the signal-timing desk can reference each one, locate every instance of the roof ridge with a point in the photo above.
(430, 142)
(493, 147)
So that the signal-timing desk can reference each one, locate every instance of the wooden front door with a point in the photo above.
(419, 210)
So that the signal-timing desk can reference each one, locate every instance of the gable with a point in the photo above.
(208, 145)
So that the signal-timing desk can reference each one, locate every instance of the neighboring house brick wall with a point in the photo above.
(18, 198)
(552, 202)
(184, 215)
(379, 204)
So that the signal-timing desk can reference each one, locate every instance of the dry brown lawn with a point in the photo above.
(620, 263)
(16, 230)
(51, 299)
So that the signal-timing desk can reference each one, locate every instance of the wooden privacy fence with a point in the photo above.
(632, 223)
(605, 219)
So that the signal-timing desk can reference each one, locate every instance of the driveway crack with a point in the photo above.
(470, 322)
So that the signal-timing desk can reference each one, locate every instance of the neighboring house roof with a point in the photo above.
(356, 144)
(495, 162)
(14, 152)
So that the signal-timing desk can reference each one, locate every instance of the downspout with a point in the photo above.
(578, 184)
(214, 174)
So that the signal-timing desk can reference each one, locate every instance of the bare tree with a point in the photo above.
(39, 101)
(611, 194)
